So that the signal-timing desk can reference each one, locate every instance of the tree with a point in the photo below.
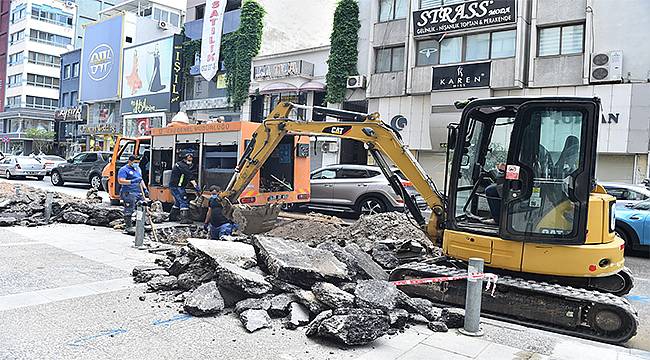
(342, 61)
(41, 139)
(239, 48)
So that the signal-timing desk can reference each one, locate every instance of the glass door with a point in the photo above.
(549, 173)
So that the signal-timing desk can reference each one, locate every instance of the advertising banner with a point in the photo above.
(461, 76)
(151, 80)
(211, 37)
(101, 60)
(464, 16)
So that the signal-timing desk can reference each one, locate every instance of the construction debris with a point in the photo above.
(205, 300)
(254, 320)
(350, 326)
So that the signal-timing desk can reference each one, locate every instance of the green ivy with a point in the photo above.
(239, 48)
(342, 61)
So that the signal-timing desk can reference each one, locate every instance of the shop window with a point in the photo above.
(477, 47)
(427, 52)
(451, 50)
(503, 44)
(561, 40)
(389, 60)
(392, 10)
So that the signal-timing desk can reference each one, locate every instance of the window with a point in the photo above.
(496, 45)
(324, 174)
(41, 102)
(351, 174)
(477, 47)
(451, 50)
(78, 159)
(74, 98)
(66, 71)
(503, 44)
(48, 38)
(90, 157)
(392, 9)
(64, 99)
(14, 80)
(16, 37)
(425, 4)
(15, 59)
(560, 40)
(13, 102)
(75, 69)
(51, 15)
(18, 13)
(44, 59)
(42, 81)
(427, 52)
(174, 18)
(389, 60)
(199, 11)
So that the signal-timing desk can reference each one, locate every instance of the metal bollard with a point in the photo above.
(473, 299)
(139, 227)
(48, 206)
(17, 189)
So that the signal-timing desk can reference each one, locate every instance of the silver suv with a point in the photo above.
(360, 189)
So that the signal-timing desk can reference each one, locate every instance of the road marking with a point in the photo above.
(181, 317)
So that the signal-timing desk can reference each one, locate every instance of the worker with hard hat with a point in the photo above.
(181, 176)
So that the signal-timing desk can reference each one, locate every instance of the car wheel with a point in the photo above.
(8, 175)
(371, 205)
(40, 178)
(96, 182)
(56, 178)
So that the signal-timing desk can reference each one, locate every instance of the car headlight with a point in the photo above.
(612, 216)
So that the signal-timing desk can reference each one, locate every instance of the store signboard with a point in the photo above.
(283, 70)
(464, 16)
(461, 76)
(68, 114)
(152, 79)
(101, 60)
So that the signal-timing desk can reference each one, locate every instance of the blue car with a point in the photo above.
(633, 225)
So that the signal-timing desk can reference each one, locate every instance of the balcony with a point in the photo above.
(50, 21)
(48, 42)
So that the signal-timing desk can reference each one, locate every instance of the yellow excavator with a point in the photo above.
(521, 194)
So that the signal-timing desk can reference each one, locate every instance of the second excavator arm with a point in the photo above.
(370, 130)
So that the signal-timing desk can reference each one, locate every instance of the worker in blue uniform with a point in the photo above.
(132, 190)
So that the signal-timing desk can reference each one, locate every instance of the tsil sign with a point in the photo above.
(464, 16)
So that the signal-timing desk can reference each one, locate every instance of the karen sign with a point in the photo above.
(461, 76)
(464, 16)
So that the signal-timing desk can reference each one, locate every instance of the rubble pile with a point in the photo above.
(312, 232)
(176, 233)
(333, 292)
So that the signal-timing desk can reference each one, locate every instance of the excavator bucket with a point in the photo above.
(253, 219)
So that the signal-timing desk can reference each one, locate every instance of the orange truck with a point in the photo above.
(218, 147)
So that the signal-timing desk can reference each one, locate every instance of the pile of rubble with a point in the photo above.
(176, 234)
(338, 293)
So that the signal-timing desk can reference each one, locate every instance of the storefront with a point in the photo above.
(102, 126)
(151, 85)
(69, 138)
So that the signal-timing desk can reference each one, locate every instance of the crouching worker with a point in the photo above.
(132, 190)
(218, 224)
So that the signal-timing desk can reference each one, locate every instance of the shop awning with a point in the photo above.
(279, 87)
(312, 86)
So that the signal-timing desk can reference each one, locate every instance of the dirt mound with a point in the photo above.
(312, 232)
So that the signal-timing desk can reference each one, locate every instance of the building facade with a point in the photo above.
(39, 32)
(68, 116)
(5, 6)
(418, 57)
(88, 12)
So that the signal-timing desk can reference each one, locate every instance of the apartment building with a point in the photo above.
(39, 32)
(417, 57)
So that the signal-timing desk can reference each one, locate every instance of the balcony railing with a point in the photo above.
(44, 63)
(47, 20)
(48, 42)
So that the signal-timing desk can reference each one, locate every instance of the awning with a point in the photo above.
(312, 86)
(278, 88)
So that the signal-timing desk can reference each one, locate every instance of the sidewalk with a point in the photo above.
(66, 292)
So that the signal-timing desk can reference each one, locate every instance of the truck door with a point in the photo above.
(550, 172)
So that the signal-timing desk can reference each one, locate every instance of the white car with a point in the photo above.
(50, 161)
(627, 194)
(22, 166)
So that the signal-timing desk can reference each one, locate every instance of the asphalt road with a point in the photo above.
(72, 189)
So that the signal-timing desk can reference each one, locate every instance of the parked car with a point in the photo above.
(21, 166)
(85, 167)
(626, 193)
(360, 189)
(633, 225)
(50, 161)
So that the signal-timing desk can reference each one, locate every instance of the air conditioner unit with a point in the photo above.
(606, 67)
(356, 82)
(163, 25)
(329, 147)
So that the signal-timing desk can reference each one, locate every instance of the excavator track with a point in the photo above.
(572, 311)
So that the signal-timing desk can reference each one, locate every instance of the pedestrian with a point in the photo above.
(132, 190)
(218, 224)
(182, 175)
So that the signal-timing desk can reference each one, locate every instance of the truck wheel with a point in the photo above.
(96, 182)
(56, 179)
(371, 205)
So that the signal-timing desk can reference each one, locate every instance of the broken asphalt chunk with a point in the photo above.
(204, 300)
(240, 254)
(332, 296)
(376, 294)
(235, 278)
(254, 320)
(350, 326)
